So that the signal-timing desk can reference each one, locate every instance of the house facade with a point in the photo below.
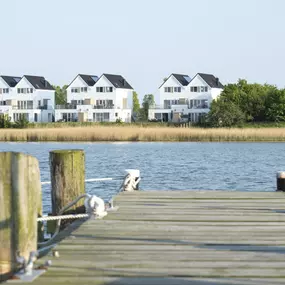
(185, 99)
(90, 98)
(31, 97)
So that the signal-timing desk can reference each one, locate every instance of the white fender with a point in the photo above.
(95, 205)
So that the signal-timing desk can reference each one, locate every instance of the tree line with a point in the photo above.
(243, 102)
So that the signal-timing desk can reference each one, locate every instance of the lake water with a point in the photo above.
(169, 166)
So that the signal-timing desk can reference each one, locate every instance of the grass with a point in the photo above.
(142, 133)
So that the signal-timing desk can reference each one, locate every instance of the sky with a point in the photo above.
(144, 40)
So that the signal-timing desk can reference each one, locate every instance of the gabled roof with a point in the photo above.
(11, 80)
(89, 79)
(118, 81)
(39, 82)
(183, 79)
(211, 80)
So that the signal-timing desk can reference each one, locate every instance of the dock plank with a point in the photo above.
(178, 237)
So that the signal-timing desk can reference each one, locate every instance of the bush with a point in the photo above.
(5, 122)
(22, 123)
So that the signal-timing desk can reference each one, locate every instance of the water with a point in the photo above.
(169, 166)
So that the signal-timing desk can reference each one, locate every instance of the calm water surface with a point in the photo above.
(171, 166)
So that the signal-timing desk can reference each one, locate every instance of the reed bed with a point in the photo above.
(116, 133)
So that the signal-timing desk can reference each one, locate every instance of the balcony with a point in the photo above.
(200, 106)
(22, 107)
(66, 106)
(104, 106)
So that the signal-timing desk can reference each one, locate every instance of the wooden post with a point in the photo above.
(20, 205)
(280, 181)
(67, 169)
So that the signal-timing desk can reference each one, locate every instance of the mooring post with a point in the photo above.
(67, 170)
(280, 181)
(20, 205)
(135, 173)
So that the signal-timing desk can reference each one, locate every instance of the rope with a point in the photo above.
(92, 180)
(63, 217)
(59, 221)
(93, 204)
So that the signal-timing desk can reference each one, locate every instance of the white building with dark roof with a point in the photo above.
(31, 97)
(97, 99)
(185, 99)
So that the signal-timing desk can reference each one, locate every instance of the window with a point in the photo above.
(19, 90)
(206, 88)
(39, 103)
(85, 89)
(116, 114)
(104, 89)
(31, 90)
(5, 90)
(177, 89)
(168, 89)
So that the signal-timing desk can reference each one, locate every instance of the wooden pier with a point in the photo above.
(177, 237)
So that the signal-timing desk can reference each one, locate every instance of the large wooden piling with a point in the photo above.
(67, 178)
(20, 205)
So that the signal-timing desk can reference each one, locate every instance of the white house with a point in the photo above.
(185, 99)
(29, 96)
(97, 99)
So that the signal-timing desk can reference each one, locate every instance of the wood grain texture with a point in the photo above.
(67, 169)
(20, 205)
(178, 237)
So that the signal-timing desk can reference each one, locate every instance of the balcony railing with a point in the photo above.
(82, 106)
(66, 106)
(104, 106)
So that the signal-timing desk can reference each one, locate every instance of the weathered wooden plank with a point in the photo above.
(170, 234)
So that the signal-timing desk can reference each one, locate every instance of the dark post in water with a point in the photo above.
(281, 181)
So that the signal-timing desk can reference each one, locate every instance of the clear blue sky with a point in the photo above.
(144, 40)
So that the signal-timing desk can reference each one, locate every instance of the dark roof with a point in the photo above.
(89, 79)
(11, 80)
(118, 81)
(180, 77)
(211, 80)
(39, 82)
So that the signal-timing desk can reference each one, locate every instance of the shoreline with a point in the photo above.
(141, 134)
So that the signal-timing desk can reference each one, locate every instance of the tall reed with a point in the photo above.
(135, 133)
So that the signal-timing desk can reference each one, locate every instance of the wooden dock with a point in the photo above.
(178, 237)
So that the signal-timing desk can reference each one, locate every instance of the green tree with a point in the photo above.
(275, 105)
(225, 114)
(136, 103)
(148, 101)
(60, 95)
(5, 121)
